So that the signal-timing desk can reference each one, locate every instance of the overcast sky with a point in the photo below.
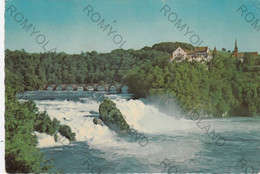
(62, 24)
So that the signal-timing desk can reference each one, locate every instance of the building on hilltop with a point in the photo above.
(179, 55)
(241, 56)
(198, 54)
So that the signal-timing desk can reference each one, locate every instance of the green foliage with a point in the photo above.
(224, 86)
(21, 154)
(44, 124)
(217, 86)
(21, 120)
(112, 116)
(169, 47)
(66, 132)
(26, 71)
(56, 137)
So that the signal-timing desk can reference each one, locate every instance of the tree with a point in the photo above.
(21, 120)
(21, 154)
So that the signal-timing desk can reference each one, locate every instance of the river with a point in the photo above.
(174, 144)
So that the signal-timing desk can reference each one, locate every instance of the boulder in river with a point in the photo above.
(98, 121)
(112, 117)
(65, 131)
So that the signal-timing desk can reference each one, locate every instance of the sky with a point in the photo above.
(63, 26)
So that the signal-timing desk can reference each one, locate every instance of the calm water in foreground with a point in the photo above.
(174, 144)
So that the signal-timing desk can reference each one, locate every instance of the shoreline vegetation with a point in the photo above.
(22, 119)
(222, 87)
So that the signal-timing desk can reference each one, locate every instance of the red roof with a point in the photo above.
(202, 49)
(254, 53)
(242, 55)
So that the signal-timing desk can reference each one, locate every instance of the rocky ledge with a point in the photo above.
(112, 117)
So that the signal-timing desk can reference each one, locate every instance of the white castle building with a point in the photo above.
(198, 54)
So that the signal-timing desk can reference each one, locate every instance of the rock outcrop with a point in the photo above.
(112, 117)
(65, 131)
(98, 121)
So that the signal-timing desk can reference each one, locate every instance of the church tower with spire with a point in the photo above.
(236, 49)
(236, 54)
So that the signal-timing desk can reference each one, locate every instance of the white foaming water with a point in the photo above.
(75, 115)
(179, 140)
(148, 119)
(144, 118)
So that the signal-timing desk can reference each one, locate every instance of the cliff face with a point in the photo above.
(112, 116)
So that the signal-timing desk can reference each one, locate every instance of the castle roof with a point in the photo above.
(200, 49)
(196, 50)
(253, 53)
(242, 55)
(186, 50)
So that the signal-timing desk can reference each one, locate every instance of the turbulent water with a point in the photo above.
(160, 143)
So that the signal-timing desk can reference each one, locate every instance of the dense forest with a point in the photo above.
(221, 87)
(28, 70)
